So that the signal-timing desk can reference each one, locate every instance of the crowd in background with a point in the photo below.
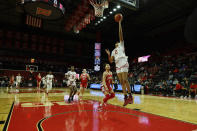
(169, 76)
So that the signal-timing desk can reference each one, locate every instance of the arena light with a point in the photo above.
(99, 22)
(101, 19)
(104, 17)
(118, 6)
(110, 12)
(95, 24)
(114, 9)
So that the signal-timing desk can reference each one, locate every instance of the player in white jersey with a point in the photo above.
(71, 83)
(18, 80)
(44, 82)
(49, 81)
(121, 60)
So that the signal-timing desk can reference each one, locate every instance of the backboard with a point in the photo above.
(131, 4)
(32, 68)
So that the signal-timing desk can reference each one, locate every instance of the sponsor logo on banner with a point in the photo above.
(44, 12)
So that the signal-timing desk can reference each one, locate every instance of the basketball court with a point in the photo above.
(32, 109)
(53, 112)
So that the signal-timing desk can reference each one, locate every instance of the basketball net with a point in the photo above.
(99, 6)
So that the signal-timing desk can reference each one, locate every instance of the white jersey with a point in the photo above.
(119, 51)
(49, 78)
(119, 55)
(44, 79)
(71, 75)
(18, 79)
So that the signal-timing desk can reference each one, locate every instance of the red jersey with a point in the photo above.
(38, 78)
(178, 86)
(193, 86)
(84, 78)
(108, 80)
(11, 79)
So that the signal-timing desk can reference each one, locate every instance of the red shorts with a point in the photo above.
(84, 85)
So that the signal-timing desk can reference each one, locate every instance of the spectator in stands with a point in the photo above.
(169, 82)
(132, 82)
(164, 89)
(150, 86)
(185, 90)
(175, 81)
(170, 90)
(193, 88)
(158, 88)
(176, 71)
(178, 89)
(181, 74)
(151, 76)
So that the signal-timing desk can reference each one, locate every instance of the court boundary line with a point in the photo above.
(6, 125)
(39, 124)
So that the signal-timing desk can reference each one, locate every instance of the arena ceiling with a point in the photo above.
(152, 18)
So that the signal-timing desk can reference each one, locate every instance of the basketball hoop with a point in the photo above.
(99, 6)
(31, 68)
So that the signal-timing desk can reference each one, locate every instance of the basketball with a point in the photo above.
(118, 17)
(32, 60)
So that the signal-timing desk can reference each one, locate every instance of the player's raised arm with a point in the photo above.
(110, 58)
(120, 32)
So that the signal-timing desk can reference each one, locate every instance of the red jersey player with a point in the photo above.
(11, 82)
(38, 78)
(84, 82)
(106, 85)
